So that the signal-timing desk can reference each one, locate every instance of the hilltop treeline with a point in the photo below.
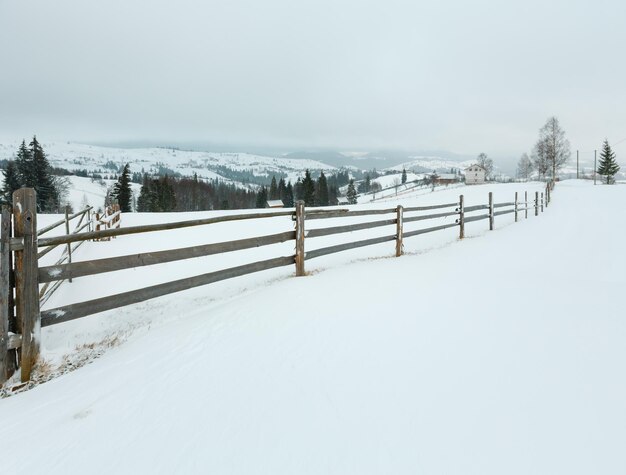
(190, 194)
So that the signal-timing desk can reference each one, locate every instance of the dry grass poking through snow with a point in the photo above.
(45, 371)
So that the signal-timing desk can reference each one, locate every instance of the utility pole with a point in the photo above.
(577, 164)
(595, 154)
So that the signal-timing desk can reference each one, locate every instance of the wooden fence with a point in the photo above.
(21, 276)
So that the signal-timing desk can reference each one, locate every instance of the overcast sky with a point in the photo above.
(460, 76)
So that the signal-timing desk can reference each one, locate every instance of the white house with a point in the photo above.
(275, 204)
(475, 175)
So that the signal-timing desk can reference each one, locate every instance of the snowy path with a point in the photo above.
(503, 353)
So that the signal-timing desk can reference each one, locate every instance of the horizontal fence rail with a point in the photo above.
(22, 250)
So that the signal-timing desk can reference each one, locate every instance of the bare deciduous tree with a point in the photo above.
(524, 167)
(552, 150)
(487, 163)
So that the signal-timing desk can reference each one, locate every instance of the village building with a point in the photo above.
(475, 175)
(275, 204)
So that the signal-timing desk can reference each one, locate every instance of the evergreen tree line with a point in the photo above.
(163, 194)
(31, 169)
(321, 192)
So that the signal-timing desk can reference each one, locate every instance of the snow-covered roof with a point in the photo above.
(447, 176)
(474, 166)
(275, 203)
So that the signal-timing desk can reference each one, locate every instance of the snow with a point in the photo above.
(501, 353)
(75, 156)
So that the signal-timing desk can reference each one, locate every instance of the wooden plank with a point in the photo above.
(430, 230)
(503, 205)
(17, 243)
(461, 217)
(500, 213)
(476, 218)
(348, 228)
(469, 209)
(347, 246)
(69, 245)
(111, 264)
(536, 203)
(427, 208)
(14, 341)
(346, 213)
(490, 211)
(430, 216)
(526, 205)
(300, 257)
(516, 209)
(399, 234)
(108, 233)
(90, 307)
(5, 290)
(541, 201)
(56, 224)
(26, 285)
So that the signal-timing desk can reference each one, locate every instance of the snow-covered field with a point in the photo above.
(501, 353)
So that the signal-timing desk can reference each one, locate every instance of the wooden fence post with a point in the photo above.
(490, 211)
(69, 245)
(461, 217)
(526, 205)
(515, 206)
(536, 203)
(26, 279)
(541, 201)
(5, 290)
(300, 238)
(399, 217)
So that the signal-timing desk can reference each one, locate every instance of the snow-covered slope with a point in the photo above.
(74, 156)
(498, 354)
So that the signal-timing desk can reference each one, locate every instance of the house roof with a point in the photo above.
(275, 203)
(475, 166)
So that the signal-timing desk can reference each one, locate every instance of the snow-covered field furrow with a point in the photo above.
(500, 353)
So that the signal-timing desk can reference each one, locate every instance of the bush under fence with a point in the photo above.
(21, 276)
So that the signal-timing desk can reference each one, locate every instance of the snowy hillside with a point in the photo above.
(428, 164)
(207, 165)
(453, 360)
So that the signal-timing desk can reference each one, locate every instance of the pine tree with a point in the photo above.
(333, 194)
(273, 193)
(47, 194)
(288, 201)
(608, 166)
(282, 190)
(11, 181)
(403, 176)
(25, 167)
(261, 198)
(144, 201)
(298, 190)
(122, 192)
(308, 189)
(351, 194)
(321, 193)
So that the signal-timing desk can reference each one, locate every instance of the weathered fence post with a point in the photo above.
(461, 217)
(515, 206)
(300, 238)
(26, 280)
(536, 203)
(541, 201)
(490, 211)
(69, 245)
(399, 219)
(5, 291)
(526, 205)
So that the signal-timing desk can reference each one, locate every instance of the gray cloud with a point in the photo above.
(454, 75)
